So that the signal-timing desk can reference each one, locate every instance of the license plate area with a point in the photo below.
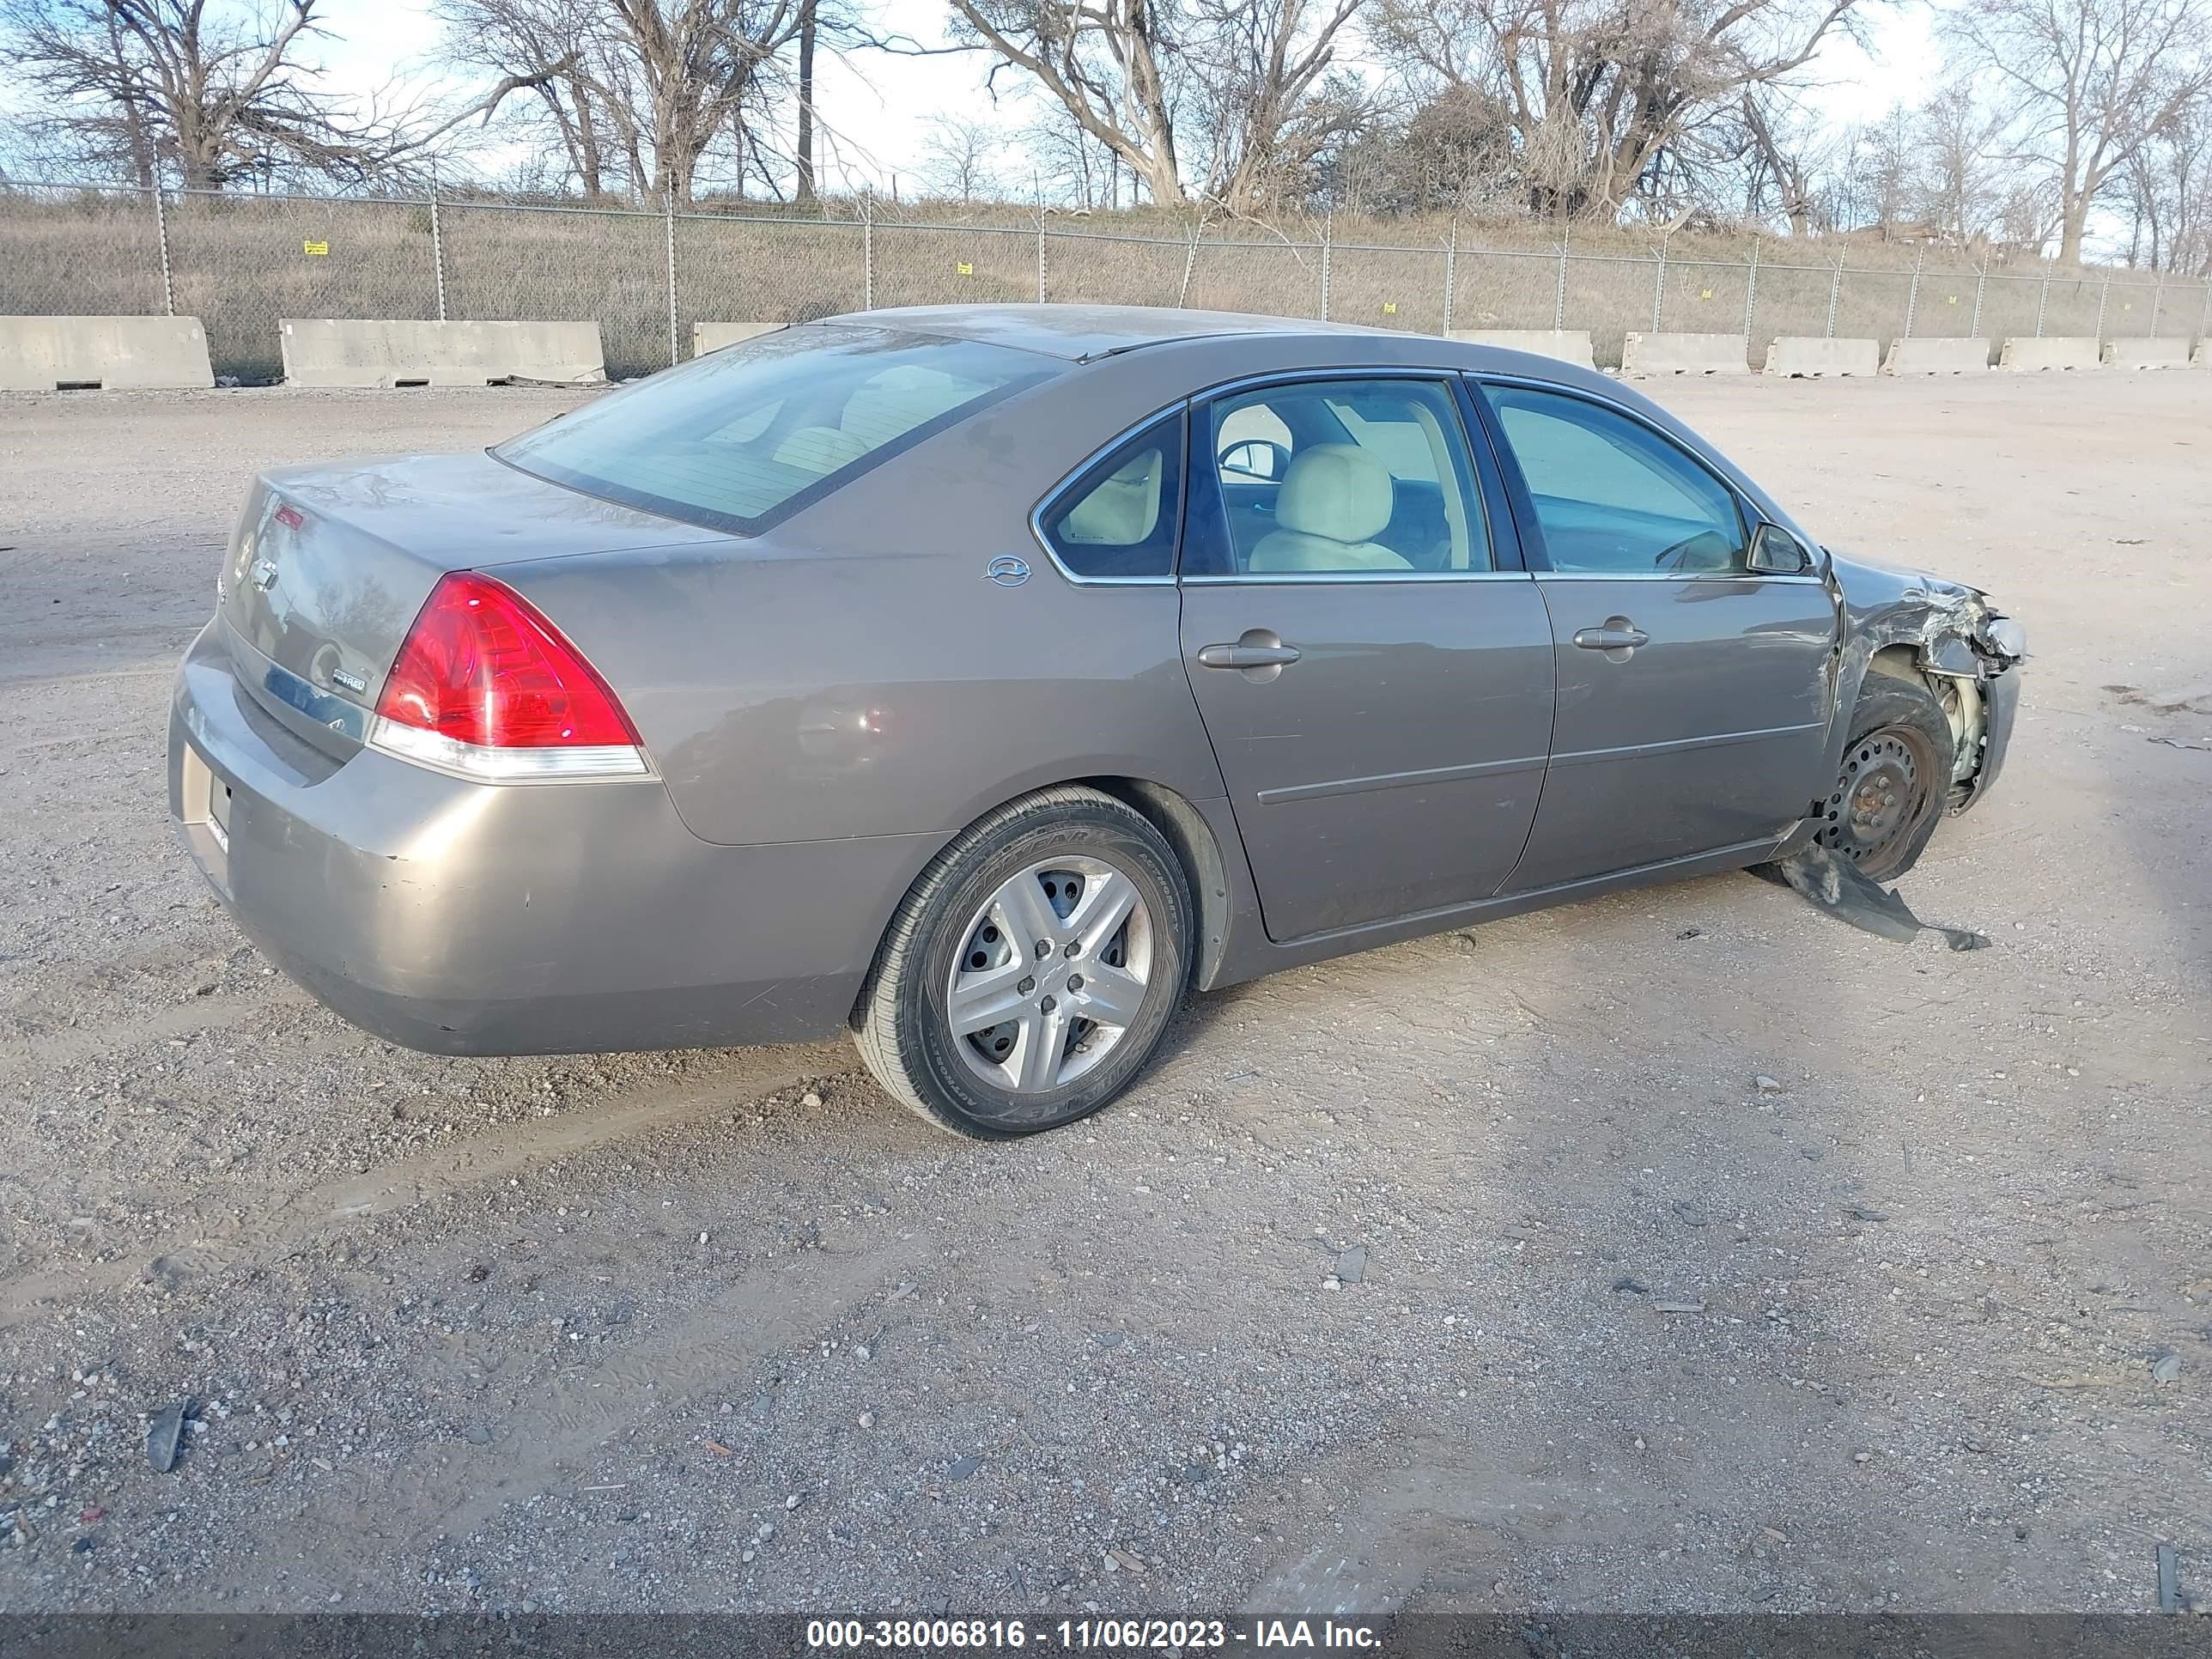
(204, 802)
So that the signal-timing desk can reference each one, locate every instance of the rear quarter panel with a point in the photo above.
(853, 673)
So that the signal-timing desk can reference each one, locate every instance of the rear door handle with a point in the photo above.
(1246, 656)
(1619, 633)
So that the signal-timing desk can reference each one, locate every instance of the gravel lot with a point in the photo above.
(729, 1330)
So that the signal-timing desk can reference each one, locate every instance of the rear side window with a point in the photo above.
(1118, 519)
(747, 436)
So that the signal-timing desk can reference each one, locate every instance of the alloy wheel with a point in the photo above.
(1051, 972)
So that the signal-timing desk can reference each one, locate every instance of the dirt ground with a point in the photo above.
(731, 1330)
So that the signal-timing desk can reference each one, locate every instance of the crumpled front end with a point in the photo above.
(1968, 652)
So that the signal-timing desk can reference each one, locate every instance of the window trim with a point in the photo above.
(1500, 528)
(1749, 515)
(1179, 410)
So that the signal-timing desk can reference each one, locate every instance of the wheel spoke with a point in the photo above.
(1036, 1060)
(1106, 904)
(986, 997)
(1026, 915)
(1109, 996)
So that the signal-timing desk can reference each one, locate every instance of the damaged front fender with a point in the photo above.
(1947, 633)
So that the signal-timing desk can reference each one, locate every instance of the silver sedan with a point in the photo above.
(983, 678)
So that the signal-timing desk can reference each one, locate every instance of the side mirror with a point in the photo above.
(1776, 552)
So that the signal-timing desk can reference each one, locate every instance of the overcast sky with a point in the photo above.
(880, 106)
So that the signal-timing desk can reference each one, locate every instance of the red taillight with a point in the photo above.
(482, 667)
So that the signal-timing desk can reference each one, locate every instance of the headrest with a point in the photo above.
(901, 398)
(1339, 491)
(1123, 509)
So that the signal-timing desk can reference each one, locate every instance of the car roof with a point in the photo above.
(1080, 333)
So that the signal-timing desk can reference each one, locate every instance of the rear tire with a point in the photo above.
(967, 1022)
(1895, 777)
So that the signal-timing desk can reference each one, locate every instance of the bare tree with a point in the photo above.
(958, 159)
(1782, 155)
(1244, 84)
(655, 85)
(221, 91)
(2087, 83)
(1599, 92)
(505, 33)
(2169, 186)
(1958, 142)
(1107, 63)
(803, 156)
(1261, 96)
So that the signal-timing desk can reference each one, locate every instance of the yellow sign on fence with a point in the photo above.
(965, 269)
(1390, 308)
(315, 250)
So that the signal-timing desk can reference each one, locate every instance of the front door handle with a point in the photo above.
(1259, 654)
(1247, 656)
(1619, 633)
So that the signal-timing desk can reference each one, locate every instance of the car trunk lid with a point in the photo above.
(329, 565)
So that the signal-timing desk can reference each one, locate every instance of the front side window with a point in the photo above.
(1613, 496)
(1341, 477)
(745, 436)
(1119, 519)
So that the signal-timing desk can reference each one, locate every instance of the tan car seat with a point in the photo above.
(1124, 509)
(1334, 498)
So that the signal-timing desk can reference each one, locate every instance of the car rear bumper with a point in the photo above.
(468, 918)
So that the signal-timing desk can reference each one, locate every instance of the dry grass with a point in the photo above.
(240, 264)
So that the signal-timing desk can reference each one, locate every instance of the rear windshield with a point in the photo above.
(745, 436)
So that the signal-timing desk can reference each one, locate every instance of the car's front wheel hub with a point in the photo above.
(1881, 796)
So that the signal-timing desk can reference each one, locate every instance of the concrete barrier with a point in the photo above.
(713, 337)
(1804, 354)
(2168, 353)
(389, 352)
(2054, 351)
(1685, 354)
(2201, 357)
(1568, 345)
(114, 354)
(1926, 356)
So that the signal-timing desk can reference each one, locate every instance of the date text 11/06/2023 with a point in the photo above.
(1093, 1635)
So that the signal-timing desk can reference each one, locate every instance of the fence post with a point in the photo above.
(2157, 299)
(668, 215)
(2204, 311)
(1328, 240)
(1751, 292)
(1659, 285)
(1835, 292)
(1559, 284)
(1451, 272)
(2103, 293)
(1981, 282)
(162, 231)
(1913, 293)
(1040, 211)
(2042, 299)
(1189, 264)
(868, 254)
(437, 249)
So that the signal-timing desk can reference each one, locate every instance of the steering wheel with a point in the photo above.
(1260, 459)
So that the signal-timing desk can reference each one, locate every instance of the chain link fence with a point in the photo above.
(239, 263)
